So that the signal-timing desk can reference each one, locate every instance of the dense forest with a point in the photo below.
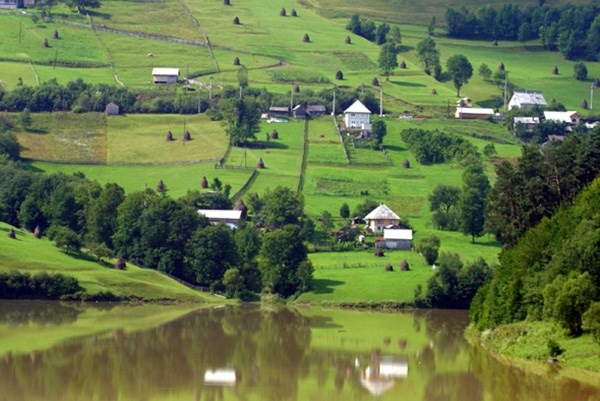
(573, 30)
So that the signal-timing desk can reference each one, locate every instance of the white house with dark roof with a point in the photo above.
(568, 117)
(381, 217)
(165, 75)
(526, 100)
(358, 116)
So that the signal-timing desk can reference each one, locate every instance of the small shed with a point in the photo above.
(112, 109)
(165, 75)
(397, 238)
(381, 217)
(473, 113)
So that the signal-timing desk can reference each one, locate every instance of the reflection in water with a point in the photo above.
(249, 353)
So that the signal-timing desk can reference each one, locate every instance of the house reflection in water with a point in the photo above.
(220, 377)
(382, 371)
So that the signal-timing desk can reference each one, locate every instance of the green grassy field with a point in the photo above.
(28, 254)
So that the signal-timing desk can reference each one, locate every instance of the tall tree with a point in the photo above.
(242, 119)
(444, 203)
(429, 56)
(460, 69)
(281, 206)
(388, 59)
(473, 200)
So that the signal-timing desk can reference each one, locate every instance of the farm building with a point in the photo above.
(230, 218)
(165, 75)
(473, 113)
(528, 123)
(112, 109)
(569, 117)
(397, 238)
(381, 217)
(526, 100)
(283, 110)
(358, 116)
(303, 111)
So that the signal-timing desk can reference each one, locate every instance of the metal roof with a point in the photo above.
(165, 71)
(382, 212)
(397, 234)
(357, 107)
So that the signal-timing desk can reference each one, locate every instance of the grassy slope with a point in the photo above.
(31, 255)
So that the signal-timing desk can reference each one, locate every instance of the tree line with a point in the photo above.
(151, 229)
(573, 30)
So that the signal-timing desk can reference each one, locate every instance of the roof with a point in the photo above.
(532, 98)
(220, 377)
(213, 214)
(474, 110)
(397, 234)
(526, 120)
(561, 116)
(357, 107)
(382, 212)
(165, 71)
(318, 108)
(279, 108)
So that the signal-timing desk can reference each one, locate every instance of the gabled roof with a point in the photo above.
(382, 212)
(315, 108)
(357, 107)
(531, 98)
(397, 234)
(165, 71)
(561, 116)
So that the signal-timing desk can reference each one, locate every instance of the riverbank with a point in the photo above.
(525, 344)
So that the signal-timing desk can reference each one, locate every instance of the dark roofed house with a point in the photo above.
(279, 110)
(299, 112)
(315, 110)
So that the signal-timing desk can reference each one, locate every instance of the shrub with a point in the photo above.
(375, 82)
(591, 321)
(344, 211)
(65, 238)
(580, 71)
(120, 263)
(236, 20)
(378, 252)
(306, 38)
(348, 40)
(429, 247)
(555, 70)
(236, 61)
(339, 75)
(554, 349)
(404, 266)
(204, 183)
(389, 268)
(294, 13)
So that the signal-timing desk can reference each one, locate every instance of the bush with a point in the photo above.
(580, 71)
(429, 247)
(344, 211)
(65, 238)
(17, 285)
(554, 349)
(591, 321)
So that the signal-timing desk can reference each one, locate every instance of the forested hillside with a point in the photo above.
(552, 273)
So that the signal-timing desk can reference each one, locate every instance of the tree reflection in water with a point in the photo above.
(253, 353)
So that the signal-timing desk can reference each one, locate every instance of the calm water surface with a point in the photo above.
(64, 352)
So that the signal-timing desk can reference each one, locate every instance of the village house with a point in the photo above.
(396, 239)
(112, 109)
(231, 218)
(526, 100)
(303, 111)
(568, 117)
(526, 123)
(473, 113)
(16, 3)
(358, 116)
(165, 75)
(381, 217)
(279, 110)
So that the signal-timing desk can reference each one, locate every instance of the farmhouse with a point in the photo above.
(473, 113)
(381, 217)
(165, 75)
(526, 100)
(303, 111)
(569, 117)
(231, 218)
(112, 109)
(357, 116)
(397, 238)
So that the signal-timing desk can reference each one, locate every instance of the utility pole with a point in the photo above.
(333, 105)
(291, 100)
(506, 90)
(210, 89)
(380, 101)
(187, 78)
(592, 96)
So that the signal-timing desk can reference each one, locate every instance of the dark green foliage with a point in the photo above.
(379, 131)
(362, 209)
(473, 200)
(429, 248)
(444, 203)
(554, 349)
(485, 72)
(489, 150)
(281, 256)
(243, 119)
(233, 282)
(552, 270)
(281, 206)
(17, 285)
(9, 146)
(460, 70)
(65, 238)
(429, 57)
(432, 147)
(580, 71)
(368, 29)
(344, 211)
(388, 58)
(591, 321)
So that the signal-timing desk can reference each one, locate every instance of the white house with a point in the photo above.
(230, 218)
(569, 117)
(381, 217)
(357, 116)
(165, 75)
(526, 100)
(397, 238)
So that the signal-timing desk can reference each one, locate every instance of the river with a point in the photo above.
(72, 352)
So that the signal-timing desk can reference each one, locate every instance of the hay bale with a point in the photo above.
(584, 104)
(405, 164)
(378, 252)
(404, 266)
(160, 187)
(120, 263)
(433, 91)
(187, 136)
(282, 12)
(306, 38)
(37, 233)
(55, 35)
(11, 234)
(348, 40)
(45, 43)
(274, 134)
(555, 70)
(339, 75)
(260, 164)
(294, 13)
(296, 88)
(403, 64)
(204, 183)
(501, 66)
(375, 82)
(169, 137)
(236, 20)
(389, 268)
(236, 61)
